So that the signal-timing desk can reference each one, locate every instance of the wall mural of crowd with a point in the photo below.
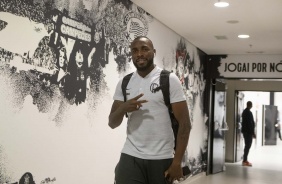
(56, 51)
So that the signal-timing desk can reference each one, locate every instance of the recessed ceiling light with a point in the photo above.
(221, 4)
(254, 52)
(243, 36)
(221, 37)
(232, 21)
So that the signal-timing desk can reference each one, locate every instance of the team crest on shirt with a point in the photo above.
(154, 87)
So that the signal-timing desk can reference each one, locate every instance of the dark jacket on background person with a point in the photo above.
(248, 124)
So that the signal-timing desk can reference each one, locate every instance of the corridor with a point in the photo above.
(267, 169)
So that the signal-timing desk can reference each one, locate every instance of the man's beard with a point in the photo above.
(146, 67)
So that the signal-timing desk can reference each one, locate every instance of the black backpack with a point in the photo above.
(164, 86)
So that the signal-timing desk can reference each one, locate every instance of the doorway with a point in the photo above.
(268, 124)
(266, 114)
(219, 126)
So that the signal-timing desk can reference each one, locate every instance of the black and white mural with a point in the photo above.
(60, 61)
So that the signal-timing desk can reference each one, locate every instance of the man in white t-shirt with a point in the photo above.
(148, 155)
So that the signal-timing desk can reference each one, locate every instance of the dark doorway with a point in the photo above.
(269, 121)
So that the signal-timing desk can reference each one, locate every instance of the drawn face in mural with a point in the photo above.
(62, 58)
(180, 67)
(79, 59)
(27, 178)
(180, 64)
(97, 37)
(143, 51)
(55, 18)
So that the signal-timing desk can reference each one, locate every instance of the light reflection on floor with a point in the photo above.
(267, 169)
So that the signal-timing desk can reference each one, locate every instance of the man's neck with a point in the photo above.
(146, 72)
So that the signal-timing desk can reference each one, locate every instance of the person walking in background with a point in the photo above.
(148, 153)
(248, 130)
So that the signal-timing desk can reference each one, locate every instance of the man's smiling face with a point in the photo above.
(142, 54)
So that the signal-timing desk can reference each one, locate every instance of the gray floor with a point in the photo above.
(267, 169)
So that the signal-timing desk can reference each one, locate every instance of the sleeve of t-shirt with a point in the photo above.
(175, 89)
(118, 92)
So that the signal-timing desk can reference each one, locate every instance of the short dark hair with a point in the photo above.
(140, 37)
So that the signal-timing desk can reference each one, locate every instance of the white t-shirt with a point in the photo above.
(149, 132)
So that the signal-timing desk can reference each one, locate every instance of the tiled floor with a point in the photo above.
(267, 169)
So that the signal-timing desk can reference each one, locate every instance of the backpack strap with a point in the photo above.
(124, 83)
(164, 83)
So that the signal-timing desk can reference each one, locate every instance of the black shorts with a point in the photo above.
(132, 170)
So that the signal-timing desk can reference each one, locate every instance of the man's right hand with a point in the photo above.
(133, 104)
(119, 108)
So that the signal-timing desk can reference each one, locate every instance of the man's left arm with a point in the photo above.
(251, 124)
(181, 113)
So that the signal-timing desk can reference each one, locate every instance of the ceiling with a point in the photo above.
(199, 22)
